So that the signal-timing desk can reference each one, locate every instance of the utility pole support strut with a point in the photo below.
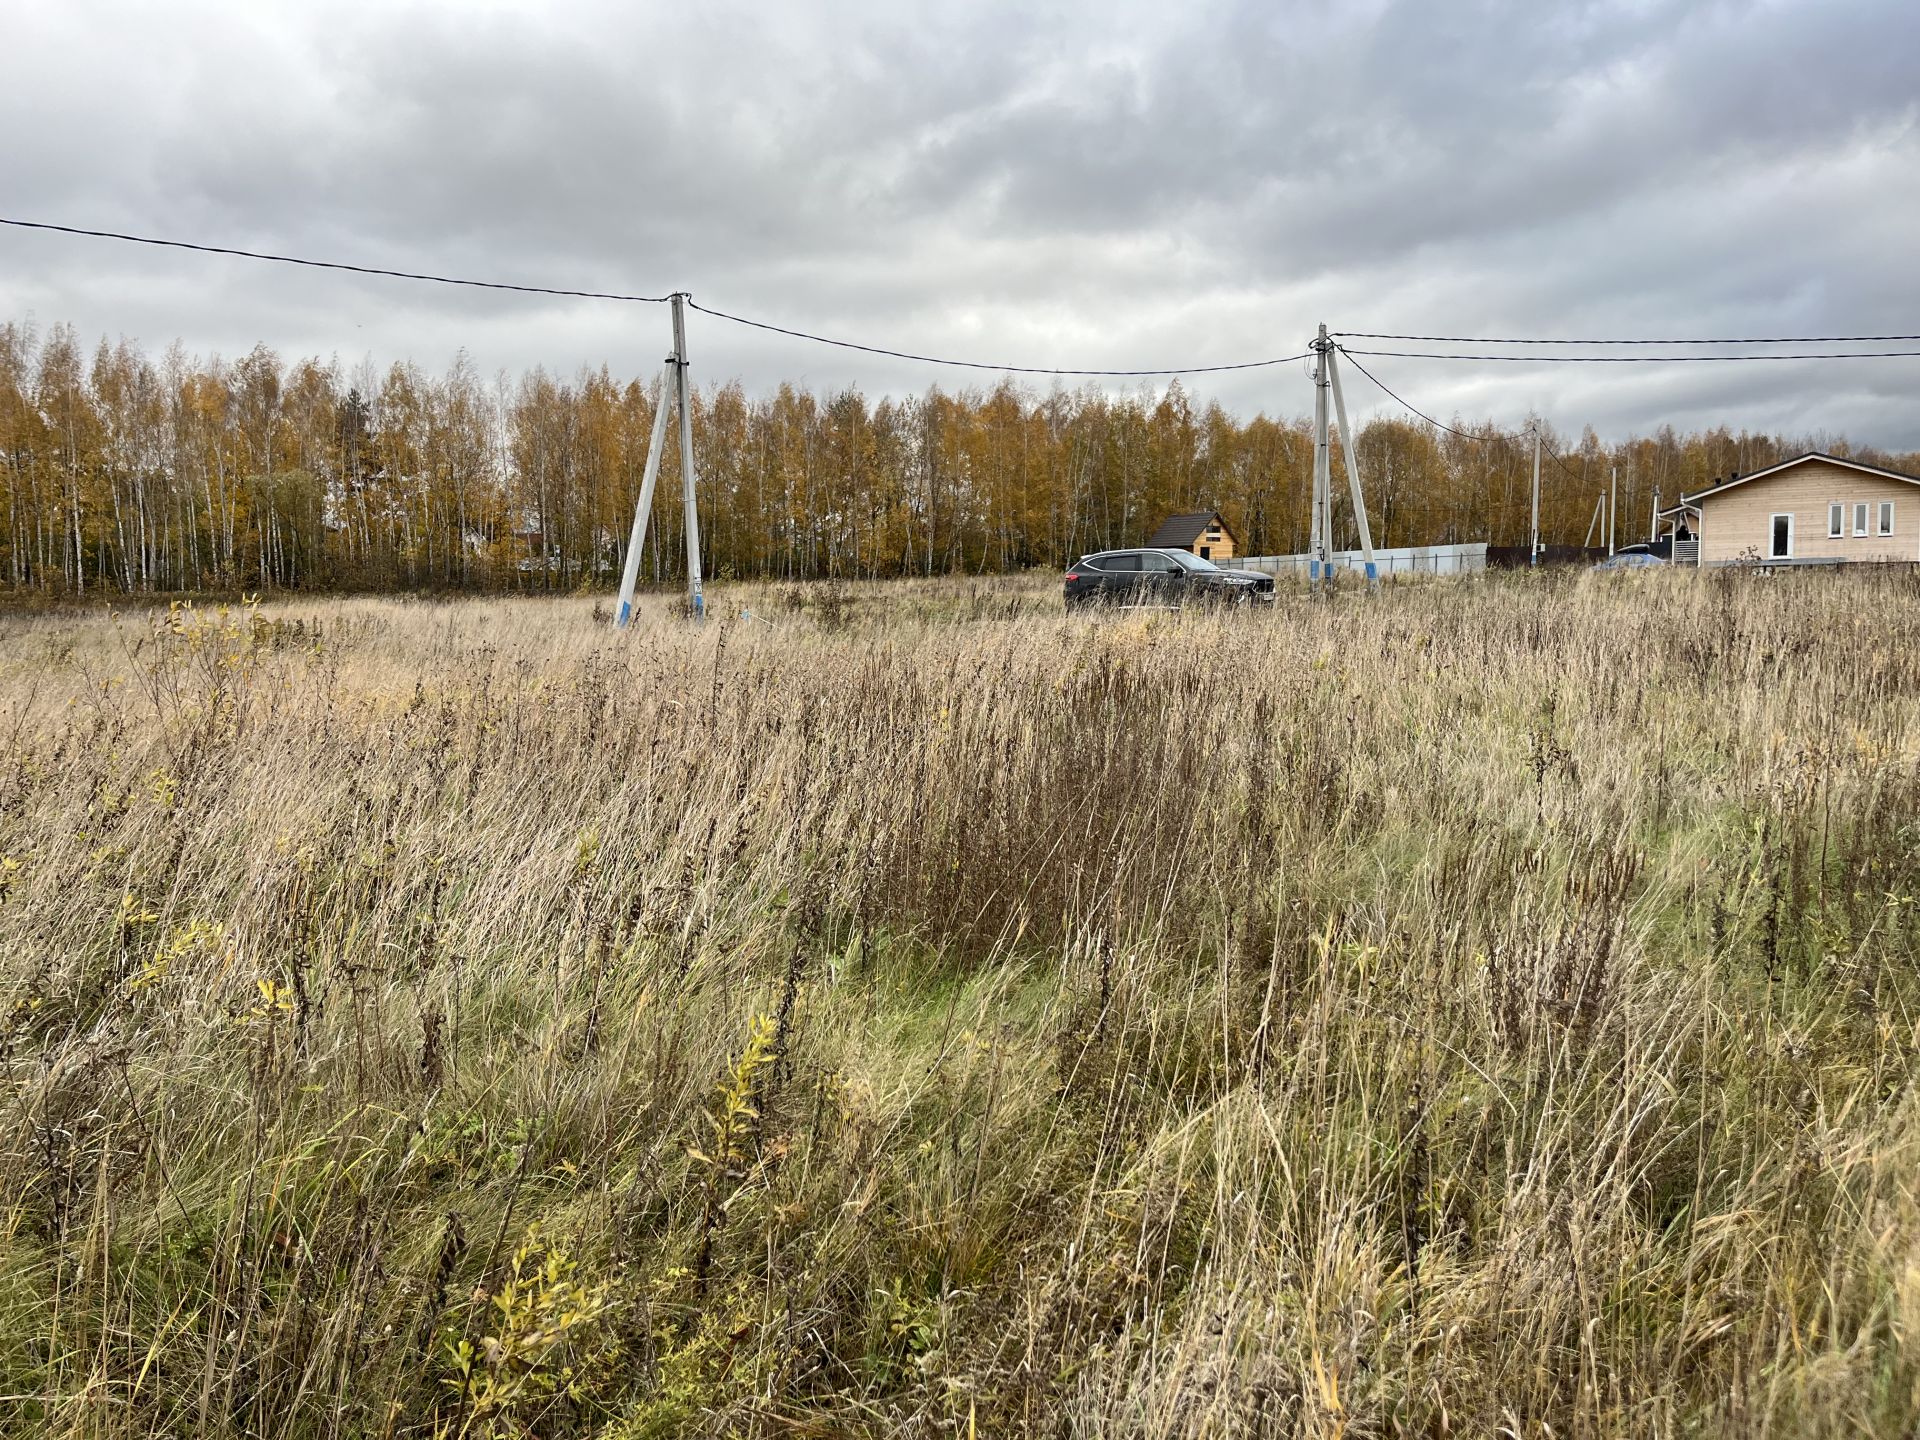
(637, 539)
(1352, 458)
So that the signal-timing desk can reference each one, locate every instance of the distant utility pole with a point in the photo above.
(673, 391)
(1653, 526)
(1533, 551)
(1613, 505)
(1599, 515)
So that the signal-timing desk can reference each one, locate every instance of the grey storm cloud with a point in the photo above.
(1109, 185)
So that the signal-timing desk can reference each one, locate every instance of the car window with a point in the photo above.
(1123, 561)
(1158, 563)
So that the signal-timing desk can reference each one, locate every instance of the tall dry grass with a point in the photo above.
(1484, 1008)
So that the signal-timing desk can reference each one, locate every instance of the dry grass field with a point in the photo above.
(1486, 1008)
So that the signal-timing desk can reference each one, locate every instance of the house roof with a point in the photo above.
(1185, 529)
(1775, 469)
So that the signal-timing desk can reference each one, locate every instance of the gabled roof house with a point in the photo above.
(1815, 509)
(1201, 533)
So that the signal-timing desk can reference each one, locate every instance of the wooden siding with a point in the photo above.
(1739, 523)
(1214, 545)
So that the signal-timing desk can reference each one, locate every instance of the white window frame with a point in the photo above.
(1885, 517)
(1787, 554)
(1836, 520)
(1859, 518)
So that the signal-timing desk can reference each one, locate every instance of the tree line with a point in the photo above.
(123, 471)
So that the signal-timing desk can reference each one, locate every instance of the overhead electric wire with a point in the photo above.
(984, 365)
(1554, 455)
(334, 264)
(917, 358)
(1407, 405)
(1752, 340)
(640, 299)
(1500, 436)
(1633, 359)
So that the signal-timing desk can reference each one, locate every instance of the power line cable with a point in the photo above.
(1554, 455)
(566, 292)
(1635, 359)
(1408, 405)
(1752, 340)
(1547, 445)
(984, 365)
(640, 299)
(1501, 436)
(334, 264)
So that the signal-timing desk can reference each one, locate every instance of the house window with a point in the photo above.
(1860, 518)
(1780, 545)
(1886, 517)
(1836, 520)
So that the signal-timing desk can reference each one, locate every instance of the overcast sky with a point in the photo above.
(1097, 184)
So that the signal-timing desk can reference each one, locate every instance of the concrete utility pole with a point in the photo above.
(1533, 552)
(1653, 526)
(673, 391)
(1320, 558)
(1613, 505)
(695, 599)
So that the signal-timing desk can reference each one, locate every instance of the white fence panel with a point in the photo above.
(1468, 559)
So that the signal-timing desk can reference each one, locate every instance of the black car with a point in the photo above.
(1161, 578)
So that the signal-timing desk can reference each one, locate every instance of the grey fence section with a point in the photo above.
(1406, 560)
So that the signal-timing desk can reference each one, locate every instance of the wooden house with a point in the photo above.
(1814, 509)
(1202, 533)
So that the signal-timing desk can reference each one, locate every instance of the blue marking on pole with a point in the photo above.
(1373, 571)
(626, 609)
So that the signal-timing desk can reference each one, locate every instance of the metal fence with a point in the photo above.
(1519, 557)
(1405, 560)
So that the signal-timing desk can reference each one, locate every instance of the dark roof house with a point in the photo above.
(1203, 533)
